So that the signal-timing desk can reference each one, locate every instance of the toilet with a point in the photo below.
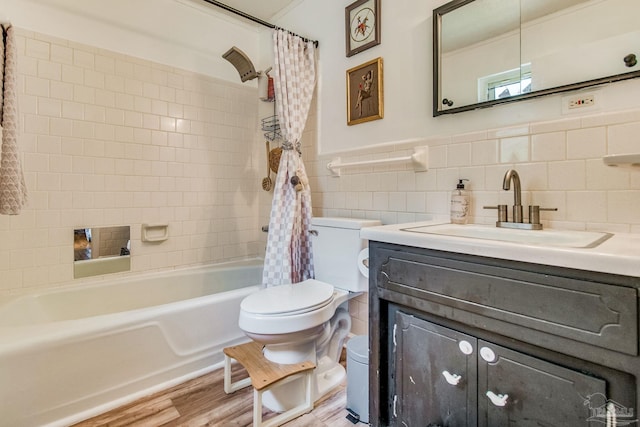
(308, 320)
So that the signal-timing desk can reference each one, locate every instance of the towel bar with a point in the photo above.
(419, 159)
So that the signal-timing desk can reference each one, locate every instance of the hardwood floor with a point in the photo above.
(203, 402)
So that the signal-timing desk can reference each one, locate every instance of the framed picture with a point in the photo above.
(362, 21)
(364, 92)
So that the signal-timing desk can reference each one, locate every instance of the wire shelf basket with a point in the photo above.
(271, 126)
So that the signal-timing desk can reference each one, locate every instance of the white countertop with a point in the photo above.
(620, 254)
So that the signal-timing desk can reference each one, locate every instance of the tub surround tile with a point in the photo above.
(110, 139)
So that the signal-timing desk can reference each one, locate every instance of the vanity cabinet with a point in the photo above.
(447, 378)
(462, 340)
(435, 374)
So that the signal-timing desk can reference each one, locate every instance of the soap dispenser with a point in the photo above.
(460, 203)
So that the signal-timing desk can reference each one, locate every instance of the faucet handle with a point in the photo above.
(534, 213)
(502, 212)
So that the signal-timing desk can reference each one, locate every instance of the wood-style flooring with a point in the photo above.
(203, 402)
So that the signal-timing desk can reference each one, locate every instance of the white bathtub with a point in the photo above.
(69, 354)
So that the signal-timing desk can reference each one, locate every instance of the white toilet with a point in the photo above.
(304, 321)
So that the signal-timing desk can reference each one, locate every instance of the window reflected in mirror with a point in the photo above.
(505, 84)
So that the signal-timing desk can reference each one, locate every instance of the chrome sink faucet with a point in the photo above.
(512, 175)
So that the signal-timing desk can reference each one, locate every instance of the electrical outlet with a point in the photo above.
(582, 101)
(579, 102)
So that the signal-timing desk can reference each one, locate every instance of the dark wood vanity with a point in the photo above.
(467, 340)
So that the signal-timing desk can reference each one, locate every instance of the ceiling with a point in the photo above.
(262, 9)
(267, 9)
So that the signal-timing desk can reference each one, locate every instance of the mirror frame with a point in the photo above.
(437, 32)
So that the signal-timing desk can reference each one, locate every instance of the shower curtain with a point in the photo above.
(289, 257)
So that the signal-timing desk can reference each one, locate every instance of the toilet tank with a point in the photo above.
(335, 251)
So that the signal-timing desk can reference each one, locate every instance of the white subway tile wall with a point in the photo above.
(559, 162)
(109, 140)
(560, 165)
(114, 140)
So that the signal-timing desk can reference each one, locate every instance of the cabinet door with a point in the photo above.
(519, 390)
(435, 375)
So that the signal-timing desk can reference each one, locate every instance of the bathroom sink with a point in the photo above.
(546, 237)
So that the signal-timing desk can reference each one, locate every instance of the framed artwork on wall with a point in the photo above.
(362, 21)
(365, 92)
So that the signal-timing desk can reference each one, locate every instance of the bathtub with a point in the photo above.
(70, 354)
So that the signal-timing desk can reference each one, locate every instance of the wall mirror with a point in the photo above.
(487, 52)
(101, 250)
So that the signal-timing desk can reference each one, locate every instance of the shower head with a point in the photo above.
(242, 63)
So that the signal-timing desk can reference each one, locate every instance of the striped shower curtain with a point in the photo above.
(289, 257)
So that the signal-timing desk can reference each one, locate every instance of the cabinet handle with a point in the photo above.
(465, 347)
(452, 379)
(497, 399)
(611, 415)
(487, 354)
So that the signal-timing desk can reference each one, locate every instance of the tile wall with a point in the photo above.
(111, 140)
(559, 163)
(114, 140)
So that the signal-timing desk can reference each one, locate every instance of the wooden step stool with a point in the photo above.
(263, 375)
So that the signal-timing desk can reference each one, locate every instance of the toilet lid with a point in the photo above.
(290, 299)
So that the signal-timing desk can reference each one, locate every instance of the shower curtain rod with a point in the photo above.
(257, 20)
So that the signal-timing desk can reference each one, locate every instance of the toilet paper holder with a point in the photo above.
(363, 262)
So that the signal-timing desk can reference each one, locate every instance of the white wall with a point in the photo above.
(184, 33)
(406, 50)
(559, 157)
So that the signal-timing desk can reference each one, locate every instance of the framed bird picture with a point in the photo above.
(362, 25)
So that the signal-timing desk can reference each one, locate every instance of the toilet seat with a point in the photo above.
(293, 299)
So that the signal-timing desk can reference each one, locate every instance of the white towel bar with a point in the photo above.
(419, 159)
